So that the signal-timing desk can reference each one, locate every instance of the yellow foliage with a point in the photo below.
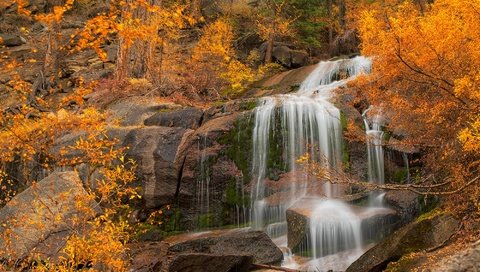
(215, 49)
(426, 63)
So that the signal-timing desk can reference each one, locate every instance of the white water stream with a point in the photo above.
(290, 126)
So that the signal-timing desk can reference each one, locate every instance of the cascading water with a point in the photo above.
(375, 148)
(288, 127)
(334, 227)
(376, 164)
(304, 123)
(203, 180)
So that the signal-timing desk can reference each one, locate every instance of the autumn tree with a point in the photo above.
(143, 30)
(274, 19)
(426, 63)
(215, 56)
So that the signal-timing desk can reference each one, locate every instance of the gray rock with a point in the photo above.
(194, 262)
(283, 55)
(154, 150)
(467, 260)
(11, 40)
(185, 118)
(416, 236)
(38, 212)
(405, 202)
(133, 111)
(298, 58)
(203, 155)
(219, 250)
(253, 243)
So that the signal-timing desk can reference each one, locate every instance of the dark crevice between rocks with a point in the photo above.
(179, 177)
(200, 121)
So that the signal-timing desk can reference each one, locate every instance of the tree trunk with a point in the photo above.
(341, 14)
(197, 10)
(141, 53)
(269, 50)
(330, 25)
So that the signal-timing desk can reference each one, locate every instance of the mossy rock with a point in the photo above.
(416, 236)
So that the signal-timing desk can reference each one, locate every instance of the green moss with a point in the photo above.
(172, 223)
(234, 198)
(239, 144)
(407, 263)
(430, 214)
(294, 88)
(343, 120)
(248, 105)
(386, 135)
(206, 220)
(400, 175)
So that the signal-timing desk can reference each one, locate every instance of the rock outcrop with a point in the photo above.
(222, 250)
(155, 151)
(416, 236)
(406, 203)
(186, 118)
(11, 40)
(212, 161)
(39, 214)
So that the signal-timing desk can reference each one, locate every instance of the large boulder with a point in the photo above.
(46, 208)
(11, 40)
(299, 58)
(133, 111)
(420, 235)
(222, 250)
(282, 54)
(155, 151)
(465, 260)
(288, 81)
(185, 118)
(193, 262)
(405, 202)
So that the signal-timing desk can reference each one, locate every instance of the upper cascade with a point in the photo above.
(329, 75)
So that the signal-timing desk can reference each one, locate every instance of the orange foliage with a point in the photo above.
(215, 52)
(426, 64)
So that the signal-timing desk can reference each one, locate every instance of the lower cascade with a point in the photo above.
(307, 123)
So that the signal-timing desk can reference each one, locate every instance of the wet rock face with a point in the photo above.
(154, 150)
(211, 251)
(24, 215)
(415, 236)
(208, 162)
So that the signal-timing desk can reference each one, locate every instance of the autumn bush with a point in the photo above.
(426, 63)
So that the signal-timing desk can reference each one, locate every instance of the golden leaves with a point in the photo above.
(215, 49)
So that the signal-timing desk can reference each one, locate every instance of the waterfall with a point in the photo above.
(289, 126)
(376, 164)
(334, 227)
(376, 171)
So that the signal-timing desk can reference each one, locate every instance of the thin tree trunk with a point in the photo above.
(341, 14)
(197, 9)
(330, 26)
(269, 50)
